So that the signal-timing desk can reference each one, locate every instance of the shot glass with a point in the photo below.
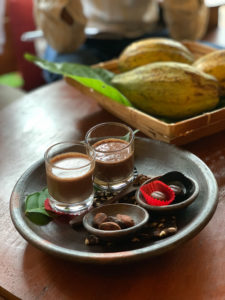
(69, 170)
(113, 144)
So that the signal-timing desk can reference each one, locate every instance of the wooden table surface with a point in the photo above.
(56, 112)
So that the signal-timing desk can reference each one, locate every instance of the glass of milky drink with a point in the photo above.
(69, 170)
(113, 144)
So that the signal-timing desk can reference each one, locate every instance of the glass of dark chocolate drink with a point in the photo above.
(70, 169)
(113, 144)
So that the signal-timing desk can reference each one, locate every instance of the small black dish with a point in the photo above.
(137, 213)
(190, 190)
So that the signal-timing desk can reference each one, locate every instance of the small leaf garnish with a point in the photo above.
(34, 208)
(126, 137)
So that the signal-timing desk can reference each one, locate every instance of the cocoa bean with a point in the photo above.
(109, 226)
(172, 229)
(99, 218)
(91, 240)
(115, 220)
(127, 220)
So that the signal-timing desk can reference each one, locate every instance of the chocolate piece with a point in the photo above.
(158, 195)
(178, 189)
(182, 185)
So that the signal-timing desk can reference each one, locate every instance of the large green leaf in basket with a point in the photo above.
(96, 78)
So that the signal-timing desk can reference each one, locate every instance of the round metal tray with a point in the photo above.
(151, 158)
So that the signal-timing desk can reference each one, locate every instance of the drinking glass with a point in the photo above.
(113, 144)
(69, 170)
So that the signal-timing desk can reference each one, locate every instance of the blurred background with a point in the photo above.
(20, 76)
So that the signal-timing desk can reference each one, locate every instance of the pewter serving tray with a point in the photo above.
(151, 158)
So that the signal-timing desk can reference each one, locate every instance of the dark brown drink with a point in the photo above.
(114, 161)
(70, 177)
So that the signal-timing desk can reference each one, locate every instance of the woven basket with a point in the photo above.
(178, 133)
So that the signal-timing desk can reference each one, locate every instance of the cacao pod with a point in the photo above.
(151, 50)
(169, 89)
(214, 64)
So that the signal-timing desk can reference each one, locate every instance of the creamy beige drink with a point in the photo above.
(70, 178)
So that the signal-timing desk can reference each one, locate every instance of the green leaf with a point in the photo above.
(103, 88)
(34, 207)
(38, 218)
(96, 78)
(126, 137)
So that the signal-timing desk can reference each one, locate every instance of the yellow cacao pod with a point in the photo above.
(169, 89)
(153, 50)
(214, 64)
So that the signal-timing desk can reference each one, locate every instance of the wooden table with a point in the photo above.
(58, 112)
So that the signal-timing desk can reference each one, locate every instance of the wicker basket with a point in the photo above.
(178, 133)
